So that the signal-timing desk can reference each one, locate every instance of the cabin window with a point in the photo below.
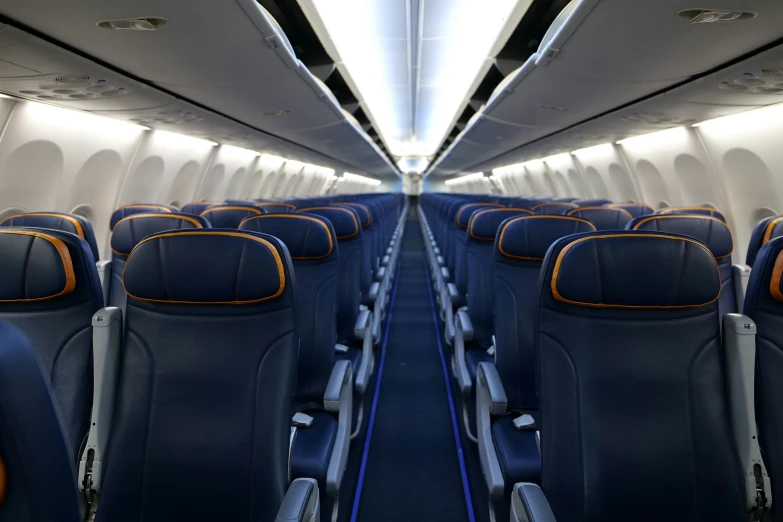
(663, 204)
(12, 211)
(709, 205)
(175, 203)
(85, 211)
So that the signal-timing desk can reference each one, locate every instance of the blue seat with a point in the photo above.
(603, 218)
(696, 211)
(635, 209)
(596, 202)
(459, 234)
(521, 203)
(129, 232)
(50, 291)
(197, 207)
(567, 199)
(368, 246)
(712, 232)
(276, 207)
(57, 221)
(138, 208)
(632, 381)
(230, 216)
(202, 415)
(765, 231)
(36, 464)
(552, 208)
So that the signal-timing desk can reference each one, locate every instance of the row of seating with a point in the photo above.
(212, 339)
(598, 360)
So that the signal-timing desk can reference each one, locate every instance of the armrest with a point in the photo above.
(444, 273)
(440, 260)
(463, 330)
(739, 345)
(528, 504)
(362, 323)
(339, 398)
(453, 292)
(363, 331)
(104, 274)
(385, 260)
(741, 275)
(490, 400)
(381, 273)
(301, 502)
(462, 321)
(374, 288)
(106, 347)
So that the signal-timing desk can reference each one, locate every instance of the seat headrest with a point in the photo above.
(240, 202)
(138, 208)
(465, 211)
(552, 208)
(529, 237)
(776, 278)
(363, 211)
(277, 207)
(696, 211)
(711, 231)
(484, 224)
(632, 270)
(307, 236)
(597, 202)
(36, 266)
(56, 221)
(635, 209)
(197, 207)
(131, 230)
(765, 231)
(344, 220)
(604, 218)
(230, 216)
(203, 266)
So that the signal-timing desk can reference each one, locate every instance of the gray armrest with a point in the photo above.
(362, 322)
(453, 292)
(739, 344)
(374, 288)
(437, 251)
(490, 400)
(463, 321)
(339, 398)
(389, 250)
(385, 260)
(444, 272)
(381, 273)
(741, 275)
(363, 331)
(440, 260)
(104, 273)
(528, 504)
(106, 348)
(301, 502)
(463, 331)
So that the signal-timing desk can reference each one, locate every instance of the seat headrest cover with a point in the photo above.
(131, 230)
(484, 224)
(600, 212)
(465, 211)
(362, 210)
(529, 237)
(697, 211)
(635, 271)
(709, 230)
(127, 210)
(228, 208)
(212, 267)
(36, 266)
(597, 202)
(344, 221)
(307, 237)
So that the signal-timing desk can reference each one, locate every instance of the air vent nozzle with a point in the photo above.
(134, 24)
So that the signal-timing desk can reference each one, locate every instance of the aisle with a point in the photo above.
(412, 470)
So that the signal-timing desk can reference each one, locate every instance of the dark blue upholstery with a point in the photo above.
(313, 449)
(197, 207)
(712, 232)
(57, 221)
(603, 218)
(521, 203)
(129, 231)
(597, 202)
(567, 199)
(277, 207)
(206, 380)
(552, 209)
(635, 209)
(369, 237)
(632, 382)
(764, 304)
(459, 249)
(230, 216)
(696, 211)
(765, 230)
(36, 464)
(517, 451)
(139, 208)
(49, 291)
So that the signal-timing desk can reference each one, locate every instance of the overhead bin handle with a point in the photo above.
(562, 28)
(271, 31)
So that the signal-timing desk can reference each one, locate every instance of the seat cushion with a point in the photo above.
(517, 452)
(353, 354)
(313, 448)
(473, 358)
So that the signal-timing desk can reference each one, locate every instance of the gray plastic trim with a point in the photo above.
(104, 273)
(528, 504)
(463, 332)
(741, 274)
(301, 502)
(339, 398)
(490, 400)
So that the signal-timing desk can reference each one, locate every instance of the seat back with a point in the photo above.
(277, 207)
(709, 230)
(197, 207)
(138, 208)
(603, 218)
(348, 231)
(50, 291)
(765, 231)
(635, 209)
(632, 381)
(369, 236)
(312, 244)
(36, 464)
(230, 216)
(459, 238)
(519, 252)
(552, 208)
(696, 211)
(482, 229)
(129, 232)
(208, 369)
(764, 304)
(597, 202)
(57, 221)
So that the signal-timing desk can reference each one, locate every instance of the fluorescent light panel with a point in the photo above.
(464, 179)
(657, 137)
(742, 121)
(603, 147)
(348, 176)
(563, 156)
(180, 140)
(239, 151)
(413, 165)
(79, 119)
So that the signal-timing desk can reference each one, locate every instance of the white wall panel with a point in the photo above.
(606, 174)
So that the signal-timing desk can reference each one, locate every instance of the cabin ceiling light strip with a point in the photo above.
(603, 147)
(746, 120)
(563, 156)
(466, 178)
(51, 114)
(361, 179)
(239, 151)
(413, 62)
(658, 137)
(176, 139)
(413, 165)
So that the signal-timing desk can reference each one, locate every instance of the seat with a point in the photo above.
(36, 464)
(129, 232)
(712, 232)
(697, 211)
(138, 208)
(368, 246)
(597, 202)
(276, 207)
(57, 221)
(552, 208)
(50, 291)
(459, 238)
(509, 455)
(230, 216)
(603, 218)
(321, 449)
(635, 209)
(202, 414)
(765, 231)
(197, 207)
(632, 382)
(567, 199)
